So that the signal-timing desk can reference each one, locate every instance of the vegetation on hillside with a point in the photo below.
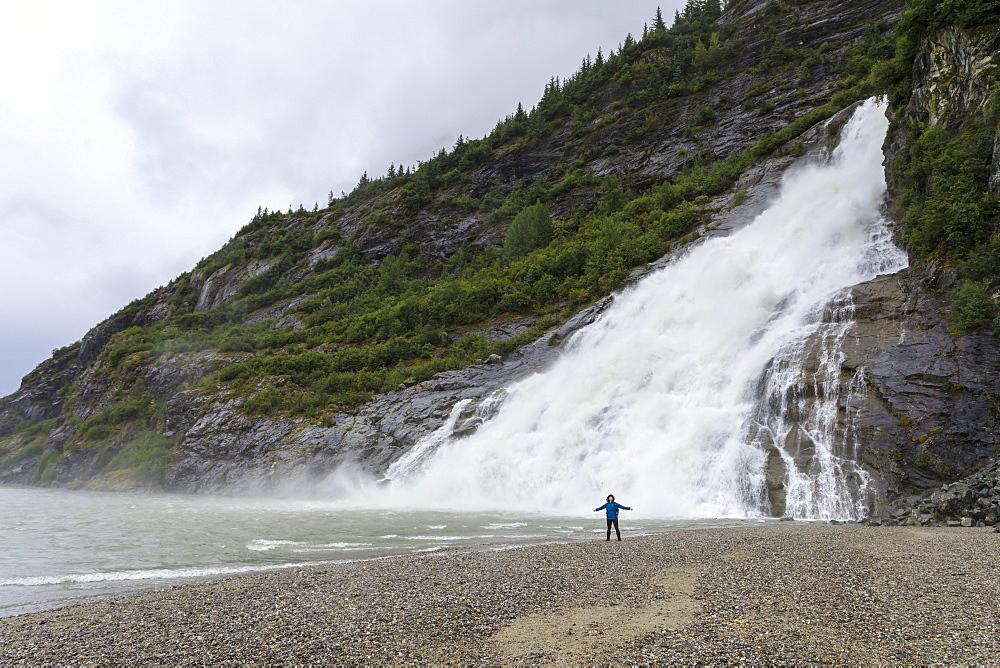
(942, 173)
(389, 321)
(324, 322)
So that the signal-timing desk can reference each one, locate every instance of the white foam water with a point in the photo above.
(655, 401)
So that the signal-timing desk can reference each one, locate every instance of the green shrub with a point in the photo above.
(530, 229)
(128, 342)
(704, 116)
(942, 178)
(46, 465)
(96, 432)
(147, 457)
(33, 430)
(139, 408)
(973, 307)
(983, 263)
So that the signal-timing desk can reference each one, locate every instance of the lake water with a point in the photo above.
(59, 547)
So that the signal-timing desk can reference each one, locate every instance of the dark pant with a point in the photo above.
(617, 532)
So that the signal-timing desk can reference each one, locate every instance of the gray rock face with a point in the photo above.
(225, 283)
(928, 412)
(175, 371)
(39, 398)
(916, 404)
(954, 73)
(973, 501)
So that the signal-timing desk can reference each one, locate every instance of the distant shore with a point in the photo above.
(789, 593)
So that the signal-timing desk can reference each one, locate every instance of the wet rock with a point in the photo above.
(924, 413)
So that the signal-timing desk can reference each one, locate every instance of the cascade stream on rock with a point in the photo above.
(693, 384)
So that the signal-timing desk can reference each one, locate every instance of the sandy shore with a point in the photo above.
(789, 593)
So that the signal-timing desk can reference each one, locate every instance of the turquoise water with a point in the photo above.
(59, 547)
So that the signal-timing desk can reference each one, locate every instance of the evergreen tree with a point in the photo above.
(551, 91)
(658, 24)
(530, 229)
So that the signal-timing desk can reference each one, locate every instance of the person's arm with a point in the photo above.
(601, 507)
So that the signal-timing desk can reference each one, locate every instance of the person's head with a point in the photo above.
(611, 498)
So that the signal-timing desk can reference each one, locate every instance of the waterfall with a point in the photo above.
(415, 459)
(680, 397)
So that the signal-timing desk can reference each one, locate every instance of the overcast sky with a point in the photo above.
(137, 137)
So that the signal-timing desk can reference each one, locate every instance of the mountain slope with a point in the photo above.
(292, 346)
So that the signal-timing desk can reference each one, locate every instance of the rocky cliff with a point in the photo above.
(160, 394)
(921, 397)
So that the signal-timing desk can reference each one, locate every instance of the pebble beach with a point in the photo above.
(789, 593)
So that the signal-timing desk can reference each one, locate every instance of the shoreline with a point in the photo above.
(80, 584)
(773, 593)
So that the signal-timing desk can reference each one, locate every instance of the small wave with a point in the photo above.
(154, 574)
(505, 525)
(341, 547)
(437, 526)
(263, 545)
(448, 537)
(328, 545)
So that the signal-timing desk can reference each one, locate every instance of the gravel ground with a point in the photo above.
(788, 593)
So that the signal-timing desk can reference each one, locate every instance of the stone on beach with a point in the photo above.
(790, 592)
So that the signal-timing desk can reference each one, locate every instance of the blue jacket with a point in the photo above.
(612, 508)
